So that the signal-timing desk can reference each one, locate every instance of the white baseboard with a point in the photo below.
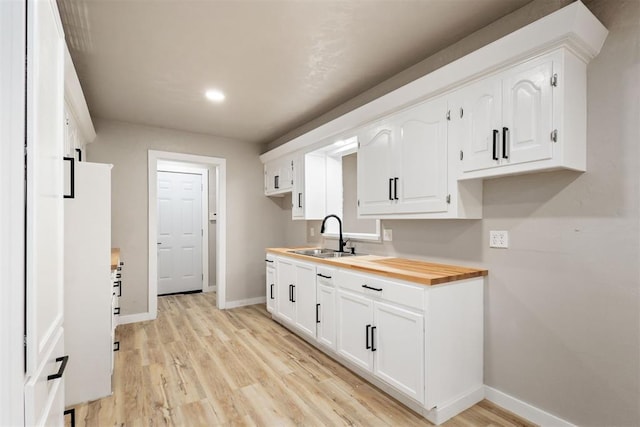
(213, 288)
(243, 302)
(134, 318)
(444, 412)
(523, 409)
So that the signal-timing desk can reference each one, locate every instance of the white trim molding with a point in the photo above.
(134, 318)
(220, 165)
(523, 409)
(244, 302)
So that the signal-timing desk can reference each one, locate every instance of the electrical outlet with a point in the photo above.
(499, 239)
(387, 235)
(312, 232)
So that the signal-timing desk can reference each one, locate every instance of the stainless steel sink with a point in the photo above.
(314, 252)
(323, 253)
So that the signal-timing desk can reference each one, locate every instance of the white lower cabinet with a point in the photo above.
(296, 294)
(326, 307)
(271, 283)
(355, 318)
(385, 339)
(421, 344)
(397, 341)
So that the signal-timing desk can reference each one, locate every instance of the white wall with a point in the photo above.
(254, 221)
(562, 323)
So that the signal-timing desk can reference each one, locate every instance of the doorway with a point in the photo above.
(213, 214)
(182, 220)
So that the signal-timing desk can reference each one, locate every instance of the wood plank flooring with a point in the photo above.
(198, 366)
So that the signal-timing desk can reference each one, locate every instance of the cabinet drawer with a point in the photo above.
(386, 290)
(325, 275)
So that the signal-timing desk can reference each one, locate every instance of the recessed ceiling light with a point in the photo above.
(214, 95)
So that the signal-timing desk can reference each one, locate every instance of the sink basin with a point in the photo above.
(314, 252)
(323, 253)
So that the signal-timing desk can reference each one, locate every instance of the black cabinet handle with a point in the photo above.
(293, 293)
(505, 134)
(71, 412)
(118, 276)
(79, 151)
(290, 292)
(395, 188)
(118, 285)
(322, 275)
(72, 178)
(373, 339)
(317, 313)
(119, 268)
(121, 262)
(276, 181)
(367, 336)
(271, 291)
(390, 188)
(299, 200)
(373, 289)
(116, 310)
(116, 346)
(268, 260)
(495, 144)
(63, 366)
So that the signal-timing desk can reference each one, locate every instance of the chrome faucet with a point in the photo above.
(340, 242)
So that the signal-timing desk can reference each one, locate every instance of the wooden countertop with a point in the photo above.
(115, 258)
(425, 273)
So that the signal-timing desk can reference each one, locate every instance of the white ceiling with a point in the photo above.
(280, 63)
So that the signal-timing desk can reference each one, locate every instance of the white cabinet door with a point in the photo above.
(355, 319)
(376, 170)
(304, 296)
(480, 106)
(398, 349)
(271, 287)
(44, 213)
(527, 112)
(421, 147)
(286, 277)
(326, 315)
(285, 175)
(298, 193)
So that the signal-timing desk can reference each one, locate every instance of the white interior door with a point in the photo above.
(180, 232)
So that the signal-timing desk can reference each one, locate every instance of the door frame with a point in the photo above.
(220, 165)
(187, 168)
(12, 211)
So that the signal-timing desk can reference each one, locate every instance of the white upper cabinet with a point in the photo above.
(528, 112)
(278, 176)
(376, 169)
(516, 105)
(478, 108)
(309, 196)
(530, 117)
(404, 169)
(421, 182)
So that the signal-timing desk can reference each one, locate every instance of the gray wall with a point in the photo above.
(253, 221)
(562, 323)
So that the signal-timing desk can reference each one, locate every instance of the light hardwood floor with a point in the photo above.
(199, 366)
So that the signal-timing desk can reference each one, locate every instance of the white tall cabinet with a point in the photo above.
(45, 347)
(88, 286)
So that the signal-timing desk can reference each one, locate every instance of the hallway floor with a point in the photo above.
(198, 366)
